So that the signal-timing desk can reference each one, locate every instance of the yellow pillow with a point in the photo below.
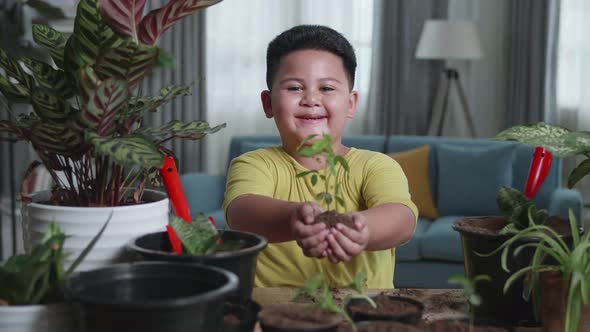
(415, 165)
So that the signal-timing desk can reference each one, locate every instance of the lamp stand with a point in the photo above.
(439, 110)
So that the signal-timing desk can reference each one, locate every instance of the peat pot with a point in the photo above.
(242, 261)
(151, 297)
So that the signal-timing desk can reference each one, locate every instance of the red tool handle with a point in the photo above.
(171, 180)
(540, 166)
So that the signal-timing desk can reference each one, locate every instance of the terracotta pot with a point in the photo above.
(553, 304)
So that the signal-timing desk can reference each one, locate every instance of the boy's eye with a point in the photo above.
(294, 88)
(327, 88)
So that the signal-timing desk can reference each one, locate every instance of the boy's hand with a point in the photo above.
(345, 242)
(312, 238)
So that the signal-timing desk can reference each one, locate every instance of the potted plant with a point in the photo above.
(31, 286)
(234, 251)
(87, 124)
(481, 239)
(323, 315)
(322, 148)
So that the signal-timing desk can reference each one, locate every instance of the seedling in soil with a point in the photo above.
(319, 292)
(200, 237)
(332, 192)
(468, 286)
(519, 210)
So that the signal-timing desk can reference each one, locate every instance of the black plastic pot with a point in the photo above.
(151, 297)
(405, 318)
(385, 325)
(242, 262)
(240, 316)
(509, 307)
(313, 319)
(461, 324)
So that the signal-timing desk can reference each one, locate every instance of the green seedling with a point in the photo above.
(469, 291)
(200, 237)
(519, 210)
(318, 290)
(318, 149)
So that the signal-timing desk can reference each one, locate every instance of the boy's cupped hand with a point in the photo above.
(346, 242)
(312, 238)
(338, 244)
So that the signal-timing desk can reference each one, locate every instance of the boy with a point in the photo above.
(310, 76)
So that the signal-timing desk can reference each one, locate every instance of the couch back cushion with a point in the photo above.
(469, 177)
(520, 163)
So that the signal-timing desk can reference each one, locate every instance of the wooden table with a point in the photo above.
(438, 303)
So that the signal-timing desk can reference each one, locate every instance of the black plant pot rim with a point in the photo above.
(248, 251)
(498, 237)
(123, 271)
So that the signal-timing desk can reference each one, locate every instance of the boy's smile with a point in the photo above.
(310, 95)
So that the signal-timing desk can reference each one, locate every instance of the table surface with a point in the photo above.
(438, 303)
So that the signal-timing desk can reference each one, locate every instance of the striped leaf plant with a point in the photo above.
(87, 111)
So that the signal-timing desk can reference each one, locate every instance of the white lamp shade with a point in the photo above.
(442, 39)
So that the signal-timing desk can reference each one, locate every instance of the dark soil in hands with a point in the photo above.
(386, 305)
(332, 218)
(297, 317)
(459, 326)
(493, 224)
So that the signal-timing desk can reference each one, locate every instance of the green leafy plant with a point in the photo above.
(317, 289)
(469, 291)
(572, 262)
(519, 210)
(38, 277)
(88, 118)
(200, 237)
(561, 142)
(323, 148)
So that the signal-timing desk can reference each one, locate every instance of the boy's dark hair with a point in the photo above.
(309, 37)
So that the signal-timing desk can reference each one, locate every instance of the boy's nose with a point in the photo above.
(310, 99)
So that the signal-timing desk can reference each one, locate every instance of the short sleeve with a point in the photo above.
(385, 182)
(248, 174)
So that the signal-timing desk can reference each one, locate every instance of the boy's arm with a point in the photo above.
(279, 221)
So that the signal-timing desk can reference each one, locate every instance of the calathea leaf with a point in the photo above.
(14, 70)
(192, 130)
(89, 82)
(133, 150)
(52, 80)
(14, 92)
(156, 22)
(123, 16)
(128, 61)
(50, 107)
(51, 39)
(9, 127)
(138, 105)
(103, 105)
(197, 236)
(56, 138)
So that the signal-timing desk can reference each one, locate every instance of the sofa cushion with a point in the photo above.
(251, 146)
(414, 163)
(441, 242)
(469, 178)
(411, 250)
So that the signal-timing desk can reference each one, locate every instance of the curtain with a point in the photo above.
(238, 33)
(573, 94)
(532, 25)
(402, 88)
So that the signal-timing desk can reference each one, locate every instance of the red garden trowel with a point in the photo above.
(179, 204)
(540, 166)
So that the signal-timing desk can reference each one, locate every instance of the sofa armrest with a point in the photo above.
(562, 200)
(204, 192)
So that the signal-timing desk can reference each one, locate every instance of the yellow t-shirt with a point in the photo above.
(374, 179)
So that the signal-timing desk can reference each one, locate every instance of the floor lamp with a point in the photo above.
(449, 40)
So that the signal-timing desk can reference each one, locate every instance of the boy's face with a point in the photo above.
(310, 95)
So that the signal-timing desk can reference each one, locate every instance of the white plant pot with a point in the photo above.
(37, 318)
(81, 224)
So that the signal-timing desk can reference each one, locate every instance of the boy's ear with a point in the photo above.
(266, 99)
(353, 100)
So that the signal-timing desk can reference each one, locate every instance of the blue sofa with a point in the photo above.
(464, 174)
